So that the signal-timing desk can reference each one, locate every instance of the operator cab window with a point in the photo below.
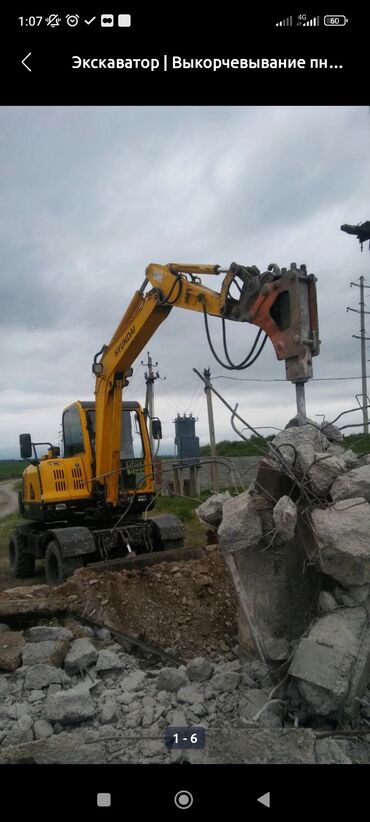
(72, 432)
(132, 446)
(131, 440)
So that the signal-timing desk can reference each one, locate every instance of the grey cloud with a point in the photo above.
(91, 195)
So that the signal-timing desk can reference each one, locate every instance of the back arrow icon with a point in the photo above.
(24, 61)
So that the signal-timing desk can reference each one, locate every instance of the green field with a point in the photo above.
(255, 446)
(360, 443)
(12, 469)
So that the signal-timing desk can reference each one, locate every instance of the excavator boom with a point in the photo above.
(282, 303)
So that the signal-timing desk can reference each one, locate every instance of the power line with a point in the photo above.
(260, 379)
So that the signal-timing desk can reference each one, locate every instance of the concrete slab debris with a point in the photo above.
(69, 707)
(11, 646)
(285, 517)
(332, 663)
(324, 471)
(81, 655)
(241, 526)
(354, 484)
(341, 533)
(210, 511)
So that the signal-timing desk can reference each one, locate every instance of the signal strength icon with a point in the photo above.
(287, 22)
(315, 21)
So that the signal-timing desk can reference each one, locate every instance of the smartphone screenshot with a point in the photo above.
(184, 436)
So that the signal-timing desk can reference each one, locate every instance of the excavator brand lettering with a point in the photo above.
(124, 341)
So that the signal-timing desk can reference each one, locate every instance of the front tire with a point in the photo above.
(57, 567)
(21, 561)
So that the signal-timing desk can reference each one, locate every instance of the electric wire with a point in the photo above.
(280, 379)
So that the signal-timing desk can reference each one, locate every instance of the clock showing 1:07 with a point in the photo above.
(190, 736)
(31, 21)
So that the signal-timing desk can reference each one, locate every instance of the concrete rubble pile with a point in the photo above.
(72, 694)
(300, 540)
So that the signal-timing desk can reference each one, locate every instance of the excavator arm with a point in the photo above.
(282, 303)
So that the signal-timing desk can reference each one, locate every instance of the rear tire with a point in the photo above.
(57, 567)
(21, 561)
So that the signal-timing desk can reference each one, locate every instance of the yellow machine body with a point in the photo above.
(69, 480)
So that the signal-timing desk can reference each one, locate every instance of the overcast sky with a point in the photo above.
(89, 196)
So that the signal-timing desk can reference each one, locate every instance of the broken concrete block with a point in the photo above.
(25, 722)
(40, 676)
(281, 591)
(241, 526)
(133, 682)
(42, 729)
(11, 645)
(171, 679)
(332, 663)
(199, 669)
(81, 655)
(330, 431)
(299, 444)
(225, 681)
(45, 633)
(341, 534)
(178, 718)
(69, 707)
(189, 694)
(354, 484)
(108, 661)
(285, 517)
(325, 469)
(210, 511)
(49, 652)
(110, 713)
(351, 459)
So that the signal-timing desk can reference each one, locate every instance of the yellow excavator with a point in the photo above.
(92, 503)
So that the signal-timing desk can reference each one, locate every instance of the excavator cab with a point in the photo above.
(64, 488)
(135, 456)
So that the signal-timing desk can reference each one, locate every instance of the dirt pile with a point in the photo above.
(190, 607)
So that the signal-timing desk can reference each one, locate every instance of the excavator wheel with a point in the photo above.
(21, 561)
(57, 567)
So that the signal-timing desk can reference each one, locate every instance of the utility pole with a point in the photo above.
(150, 378)
(211, 425)
(362, 232)
(362, 336)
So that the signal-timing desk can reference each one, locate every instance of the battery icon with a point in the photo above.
(335, 20)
